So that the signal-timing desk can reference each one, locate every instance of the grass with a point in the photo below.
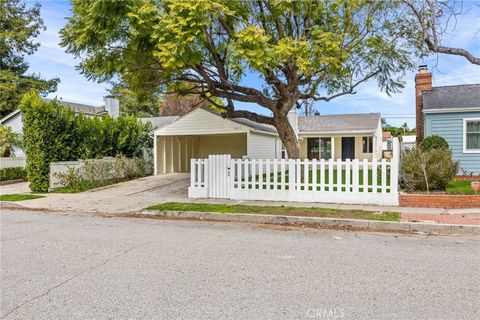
(459, 187)
(276, 210)
(84, 186)
(19, 197)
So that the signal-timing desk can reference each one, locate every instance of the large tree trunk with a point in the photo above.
(287, 135)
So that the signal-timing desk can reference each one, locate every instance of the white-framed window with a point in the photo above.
(367, 144)
(283, 152)
(471, 135)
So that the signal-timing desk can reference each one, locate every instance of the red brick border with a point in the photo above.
(469, 178)
(447, 201)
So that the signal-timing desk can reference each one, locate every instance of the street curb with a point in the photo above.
(375, 225)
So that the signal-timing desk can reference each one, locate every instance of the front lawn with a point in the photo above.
(19, 197)
(276, 210)
(459, 187)
(87, 185)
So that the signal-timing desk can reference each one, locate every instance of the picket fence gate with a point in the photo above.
(334, 181)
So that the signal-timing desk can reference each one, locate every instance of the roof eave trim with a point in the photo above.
(10, 115)
(451, 110)
(305, 133)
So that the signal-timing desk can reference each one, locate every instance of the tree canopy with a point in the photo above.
(19, 26)
(300, 50)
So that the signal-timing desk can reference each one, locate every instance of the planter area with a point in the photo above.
(447, 201)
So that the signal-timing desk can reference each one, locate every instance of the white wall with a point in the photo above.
(262, 146)
(201, 122)
(13, 162)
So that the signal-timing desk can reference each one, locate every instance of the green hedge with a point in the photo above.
(15, 173)
(55, 133)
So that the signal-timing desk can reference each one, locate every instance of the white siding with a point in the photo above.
(201, 122)
(262, 146)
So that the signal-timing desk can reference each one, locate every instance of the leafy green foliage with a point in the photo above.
(55, 133)
(300, 50)
(397, 131)
(434, 142)
(19, 26)
(426, 170)
(97, 173)
(15, 173)
(9, 140)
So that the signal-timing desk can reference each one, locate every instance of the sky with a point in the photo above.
(51, 60)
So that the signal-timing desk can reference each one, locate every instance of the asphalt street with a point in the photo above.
(56, 266)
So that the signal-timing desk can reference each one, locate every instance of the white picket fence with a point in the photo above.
(12, 162)
(334, 181)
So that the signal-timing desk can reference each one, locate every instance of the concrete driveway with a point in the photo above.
(122, 197)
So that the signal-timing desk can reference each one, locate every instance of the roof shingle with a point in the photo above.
(339, 123)
(452, 97)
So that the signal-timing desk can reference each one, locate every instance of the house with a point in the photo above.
(342, 136)
(111, 107)
(387, 141)
(452, 112)
(203, 132)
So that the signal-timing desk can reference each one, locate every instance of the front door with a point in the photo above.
(348, 148)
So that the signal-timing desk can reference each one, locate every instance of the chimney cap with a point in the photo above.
(317, 113)
(422, 68)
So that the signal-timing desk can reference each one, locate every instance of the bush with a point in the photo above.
(15, 173)
(98, 170)
(55, 133)
(434, 142)
(129, 167)
(427, 170)
(70, 179)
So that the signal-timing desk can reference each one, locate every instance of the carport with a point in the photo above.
(174, 152)
(202, 132)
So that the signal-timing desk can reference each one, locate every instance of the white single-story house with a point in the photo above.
(204, 132)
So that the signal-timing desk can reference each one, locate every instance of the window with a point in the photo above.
(283, 152)
(471, 135)
(367, 143)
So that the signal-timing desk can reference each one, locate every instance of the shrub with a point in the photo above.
(7, 174)
(427, 170)
(97, 170)
(55, 133)
(129, 167)
(434, 142)
(70, 178)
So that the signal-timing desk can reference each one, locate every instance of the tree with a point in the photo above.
(167, 105)
(433, 18)
(131, 103)
(19, 26)
(179, 105)
(300, 50)
(8, 141)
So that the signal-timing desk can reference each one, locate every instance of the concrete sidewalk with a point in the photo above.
(133, 196)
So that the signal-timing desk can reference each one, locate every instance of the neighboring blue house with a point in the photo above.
(452, 112)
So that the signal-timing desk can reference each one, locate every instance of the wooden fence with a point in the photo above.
(335, 181)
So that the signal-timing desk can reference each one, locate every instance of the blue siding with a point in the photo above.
(450, 126)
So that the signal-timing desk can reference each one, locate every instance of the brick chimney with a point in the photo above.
(423, 82)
